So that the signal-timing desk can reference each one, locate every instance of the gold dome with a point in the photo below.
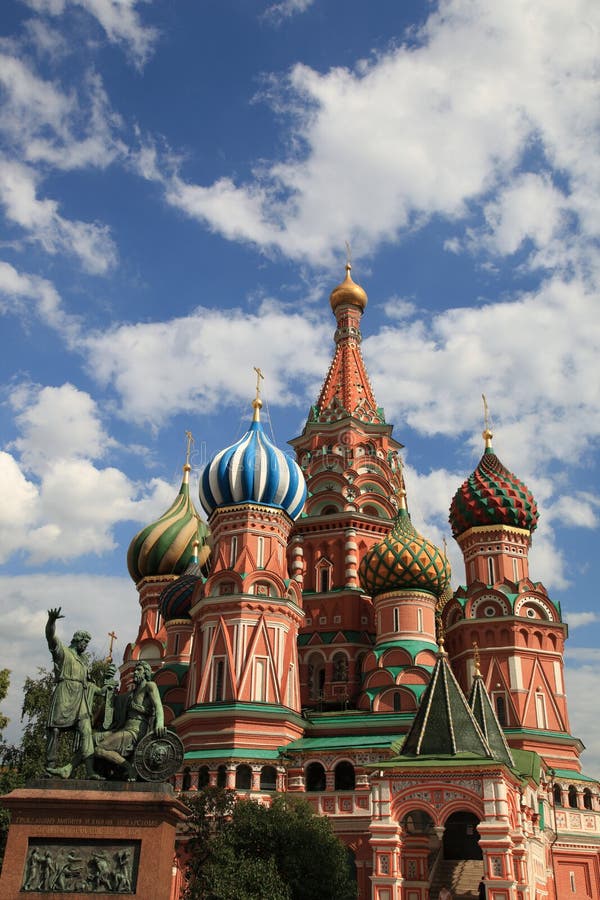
(348, 292)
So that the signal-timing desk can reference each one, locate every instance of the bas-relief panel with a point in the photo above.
(83, 867)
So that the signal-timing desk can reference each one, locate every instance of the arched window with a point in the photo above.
(219, 679)
(221, 776)
(490, 567)
(397, 701)
(260, 552)
(243, 777)
(316, 676)
(315, 777)
(344, 776)
(572, 796)
(419, 619)
(340, 667)
(268, 778)
(557, 794)
(203, 777)
(587, 799)
(396, 619)
(501, 708)
(233, 551)
(324, 572)
(187, 779)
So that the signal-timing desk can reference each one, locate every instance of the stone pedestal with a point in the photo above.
(80, 838)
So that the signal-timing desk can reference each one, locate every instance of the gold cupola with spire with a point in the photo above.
(348, 292)
(168, 545)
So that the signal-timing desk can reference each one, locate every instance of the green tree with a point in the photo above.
(4, 685)
(284, 852)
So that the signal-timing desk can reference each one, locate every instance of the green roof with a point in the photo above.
(574, 776)
(528, 764)
(438, 760)
(341, 742)
(484, 713)
(231, 753)
(444, 723)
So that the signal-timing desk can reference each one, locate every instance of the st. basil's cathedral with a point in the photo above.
(305, 638)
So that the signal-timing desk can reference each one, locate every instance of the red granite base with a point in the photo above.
(79, 838)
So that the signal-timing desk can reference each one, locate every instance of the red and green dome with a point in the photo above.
(167, 546)
(404, 560)
(492, 496)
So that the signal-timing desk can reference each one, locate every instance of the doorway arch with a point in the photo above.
(461, 839)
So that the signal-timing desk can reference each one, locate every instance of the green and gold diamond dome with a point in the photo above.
(404, 560)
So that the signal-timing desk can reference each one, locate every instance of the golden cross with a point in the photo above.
(113, 638)
(445, 548)
(190, 441)
(259, 375)
(348, 255)
(486, 414)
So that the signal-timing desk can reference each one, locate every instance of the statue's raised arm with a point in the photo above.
(71, 700)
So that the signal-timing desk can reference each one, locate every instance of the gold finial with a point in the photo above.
(445, 542)
(348, 258)
(487, 433)
(113, 638)
(477, 660)
(188, 450)
(401, 492)
(257, 402)
(441, 638)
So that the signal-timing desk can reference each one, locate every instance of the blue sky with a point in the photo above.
(177, 183)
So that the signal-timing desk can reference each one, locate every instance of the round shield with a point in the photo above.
(157, 758)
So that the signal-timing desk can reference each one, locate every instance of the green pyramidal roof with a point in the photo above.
(444, 723)
(484, 713)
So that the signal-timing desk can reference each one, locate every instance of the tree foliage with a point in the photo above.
(284, 852)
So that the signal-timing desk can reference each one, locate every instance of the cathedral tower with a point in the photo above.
(351, 465)
(517, 626)
(242, 694)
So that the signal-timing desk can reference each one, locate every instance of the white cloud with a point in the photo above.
(81, 433)
(95, 603)
(429, 129)
(582, 684)
(57, 503)
(278, 12)
(119, 19)
(528, 208)
(22, 293)
(40, 218)
(577, 619)
(531, 357)
(224, 344)
(43, 123)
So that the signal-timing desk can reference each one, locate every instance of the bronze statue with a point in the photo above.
(72, 700)
(133, 738)
(138, 712)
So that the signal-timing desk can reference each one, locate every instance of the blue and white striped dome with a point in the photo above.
(253, 470)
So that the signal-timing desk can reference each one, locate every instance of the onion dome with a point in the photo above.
(253, 470)
(492, 496)
(175, 600)
(166, 547)
(348, 292)
(404, 560)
